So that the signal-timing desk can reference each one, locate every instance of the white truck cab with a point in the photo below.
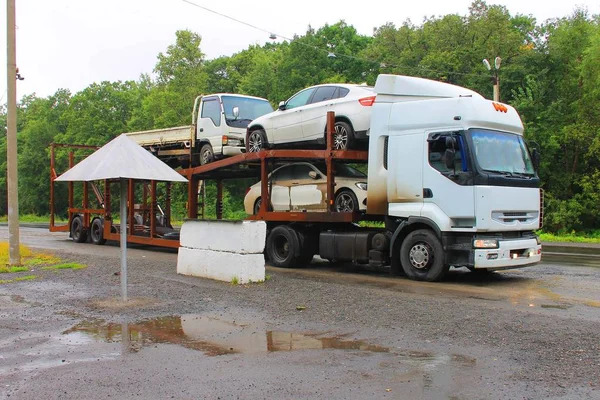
(444, 159)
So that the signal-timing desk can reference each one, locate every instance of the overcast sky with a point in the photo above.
(73, 43)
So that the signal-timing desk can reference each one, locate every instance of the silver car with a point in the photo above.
(302, 119)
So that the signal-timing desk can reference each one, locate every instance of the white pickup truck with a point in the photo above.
(218, 129)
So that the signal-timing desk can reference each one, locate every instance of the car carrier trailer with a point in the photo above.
(449, 177)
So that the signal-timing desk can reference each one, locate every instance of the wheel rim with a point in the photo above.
(76, 229)
(282, 248)
(96, 232)
(420, 255)
(344, 203)
(257, 206)
(206, 156)
(255, 142)
(340, 137)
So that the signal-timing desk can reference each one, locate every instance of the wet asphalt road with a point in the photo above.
(319, 332)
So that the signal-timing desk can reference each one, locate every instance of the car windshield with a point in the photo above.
(501, 152)
(250, 109)
(342, 170)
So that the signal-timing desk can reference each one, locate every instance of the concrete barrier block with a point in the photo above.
(220, 265)
(245, 237)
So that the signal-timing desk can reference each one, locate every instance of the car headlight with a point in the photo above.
(361, 185)
(485, 243)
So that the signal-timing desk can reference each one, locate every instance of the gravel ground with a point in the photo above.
(312, 333)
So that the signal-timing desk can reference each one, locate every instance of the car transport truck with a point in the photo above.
(449, 174)
(450, 181)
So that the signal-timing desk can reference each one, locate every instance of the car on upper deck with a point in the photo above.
(301, 120)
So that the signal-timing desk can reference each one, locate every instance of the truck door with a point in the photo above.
(405, 174)
(210, 123)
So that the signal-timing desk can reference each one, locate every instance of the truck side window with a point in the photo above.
(437, 154)
(212, 109)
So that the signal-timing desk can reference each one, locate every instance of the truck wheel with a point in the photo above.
(97, 232)
(346, 201)
(422, 256)
(78, 232)
(206, 154)
(282, 246)
(343, 136)
(257, 140)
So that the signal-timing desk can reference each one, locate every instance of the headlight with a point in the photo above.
(361, 185)
(485, 243)
(232, 141)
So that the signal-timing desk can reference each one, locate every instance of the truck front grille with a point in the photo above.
(512, 217)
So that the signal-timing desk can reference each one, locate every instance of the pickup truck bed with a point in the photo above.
(162, 137)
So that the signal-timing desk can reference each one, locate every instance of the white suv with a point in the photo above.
(302, 119)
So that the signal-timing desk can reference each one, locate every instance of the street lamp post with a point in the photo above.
(495, 79)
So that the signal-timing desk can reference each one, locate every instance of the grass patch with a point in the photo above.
(26, 278)
(65, 266)
(32, 218)
(10, 270)
(5, 281)
(28, 257)
(569, 237)
(235, 280)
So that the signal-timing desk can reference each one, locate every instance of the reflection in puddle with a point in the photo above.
(213, 336)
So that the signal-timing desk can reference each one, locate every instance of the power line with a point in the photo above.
(274, 35)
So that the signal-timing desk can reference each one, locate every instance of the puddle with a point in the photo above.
(213, 336)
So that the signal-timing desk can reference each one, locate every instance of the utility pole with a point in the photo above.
(495, 79)
(11, 137)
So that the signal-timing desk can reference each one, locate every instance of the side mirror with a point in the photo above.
(449, 158)
(236, 112)
(536, 158)
(282, 105)
(450, 142)
(313, 175)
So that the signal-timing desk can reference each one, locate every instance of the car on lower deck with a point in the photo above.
(302, 186)
(301, 120)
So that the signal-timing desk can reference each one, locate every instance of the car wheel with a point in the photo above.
(97, 232)
(346, 201)
(257, 141)
(78, 232)
(257, 205)
(343, 136)
(206, 154)
(422, 256)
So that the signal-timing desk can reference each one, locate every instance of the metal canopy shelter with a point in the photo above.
(125, 160)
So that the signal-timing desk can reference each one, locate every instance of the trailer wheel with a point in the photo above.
(422, 256)
(206, 154)
(282, 245)
(78, 232)
(97, 232)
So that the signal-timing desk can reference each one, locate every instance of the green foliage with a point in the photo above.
(65, 266)
(550, 72)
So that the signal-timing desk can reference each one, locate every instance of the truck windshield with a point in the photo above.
(501, 152)
(250, 109)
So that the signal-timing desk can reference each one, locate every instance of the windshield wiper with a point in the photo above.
(511, 174)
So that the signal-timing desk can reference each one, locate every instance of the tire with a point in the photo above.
(256, 140)
(97, 232)
(346, 201)
(78, 232)
(282, 246)
(422, 256)
(343, 136)
(206, 154)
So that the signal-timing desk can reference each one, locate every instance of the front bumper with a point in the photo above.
(233, 150)
(509, 254)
